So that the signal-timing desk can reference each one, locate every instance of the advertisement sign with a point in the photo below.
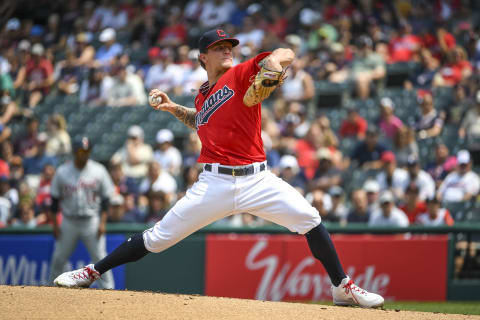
(25, 259)
(281, 267)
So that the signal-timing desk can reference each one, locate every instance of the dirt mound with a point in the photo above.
(23, 302)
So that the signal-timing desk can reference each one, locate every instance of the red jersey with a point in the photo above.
(230, 132)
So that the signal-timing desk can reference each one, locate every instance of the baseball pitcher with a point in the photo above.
(82, 189)
(227, 118)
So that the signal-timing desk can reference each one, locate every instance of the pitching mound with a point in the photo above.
(21, 302)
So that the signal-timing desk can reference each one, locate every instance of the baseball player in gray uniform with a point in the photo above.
(82, 189)
(227, 118)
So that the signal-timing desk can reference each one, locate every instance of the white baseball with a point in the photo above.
(154, 101)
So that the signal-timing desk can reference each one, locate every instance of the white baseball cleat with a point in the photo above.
(80, 278)
(348, 294)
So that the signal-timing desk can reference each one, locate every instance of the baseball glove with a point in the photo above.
(262, 86)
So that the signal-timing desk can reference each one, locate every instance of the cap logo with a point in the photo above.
(221, 33)
(85, 143)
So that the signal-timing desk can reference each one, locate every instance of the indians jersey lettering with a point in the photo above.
(230, 132)
(212, 104)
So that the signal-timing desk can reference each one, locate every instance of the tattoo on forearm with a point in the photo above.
(186, 115)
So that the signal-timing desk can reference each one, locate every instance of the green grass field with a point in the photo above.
(460, 307)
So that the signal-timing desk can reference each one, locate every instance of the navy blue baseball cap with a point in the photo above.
(211, 37)
(81, 143)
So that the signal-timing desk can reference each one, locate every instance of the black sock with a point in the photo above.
(131, 250)
(323, 249)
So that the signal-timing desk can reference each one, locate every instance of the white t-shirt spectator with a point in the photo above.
(399, 182)
(164, 79)
(397, 218)
(170, 159)
(443, 217)
(455, 186)
(165, 183)
(425, 183)
(255, 36)
(193, 80)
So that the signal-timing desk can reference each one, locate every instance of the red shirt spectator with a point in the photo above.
(38, 71)
(174, 33)
(4, 168)
(412, 213)
(354, 125)
(403, 48)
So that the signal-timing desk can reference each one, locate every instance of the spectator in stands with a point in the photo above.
(6, 209)
(430, 123)
(166, 76)
(442, 165)
(116, 209)
(388, 215)
(421, 178)
(359, 212)
(306, 150)
(174, 33)
(461, 104)
(367, 154)
(389, 123)
(93, 91)
(338, 204)
(83, 51)
(36, 77)
(134, 155)
(251, 32)
(8, 108)
(298, 85)
(26, 144)
(110, 49)
(190, 176)
(119, 180)
(58, 141)
(337, 69)
(16, 171)
(456, 69)
(159, 180)
(123, 91)
(424, 76)
(43, 198)
(413, 205)
(323, 203)
(195, 77)
(8, 192)
(391, 177)
(26, 216)
(405, 46)
(372, 190)
(69, 76)
(404, 145)
(368, 67)
(215, 12)
(434, 215)
(462, 184)
(470, 129)
(33, 165)
(157, 206)
(166, 154)
(192, 147)
(290, 172)
(354, 125)
(326, 175)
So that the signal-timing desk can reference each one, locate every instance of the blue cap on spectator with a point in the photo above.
(36, 31)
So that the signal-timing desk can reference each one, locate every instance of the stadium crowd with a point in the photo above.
(357, 161)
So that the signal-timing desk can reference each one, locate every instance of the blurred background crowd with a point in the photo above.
(378, 121)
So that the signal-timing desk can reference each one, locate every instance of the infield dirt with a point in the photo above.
(24, 302)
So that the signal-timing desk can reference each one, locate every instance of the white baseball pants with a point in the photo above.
(216, 195)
